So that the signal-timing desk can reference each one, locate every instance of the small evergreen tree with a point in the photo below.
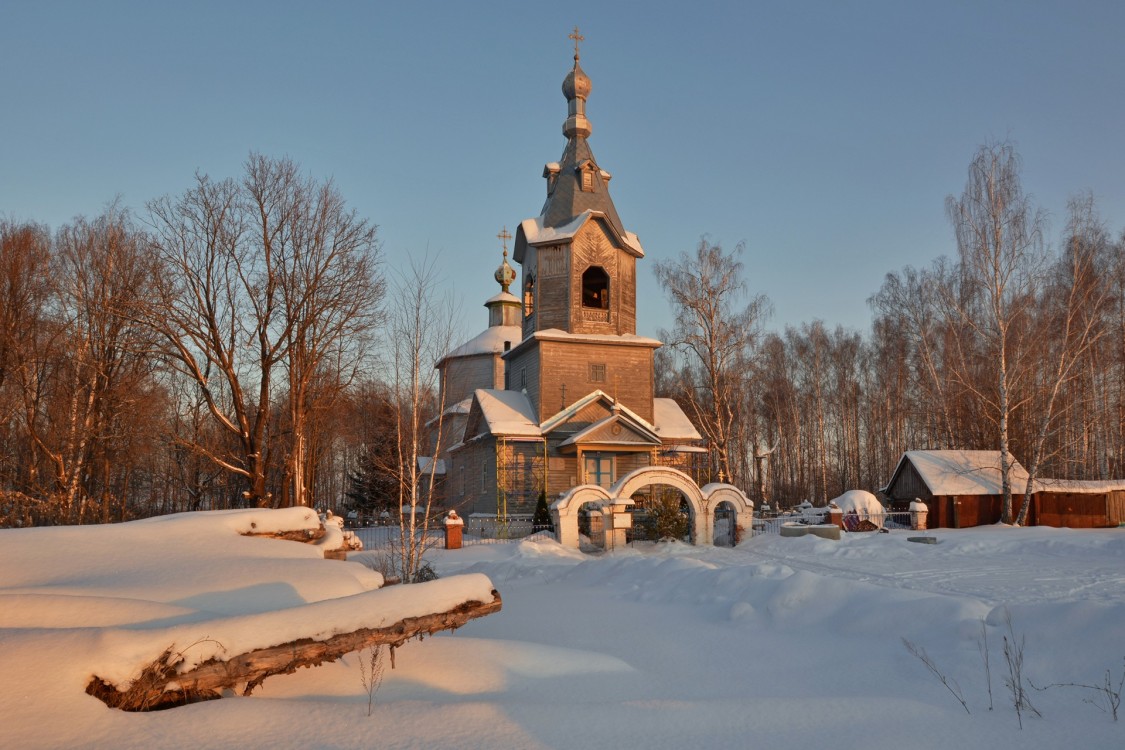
(666, 516)
(542, 518)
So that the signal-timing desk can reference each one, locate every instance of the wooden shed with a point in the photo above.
(1078, 504)
(963, 488)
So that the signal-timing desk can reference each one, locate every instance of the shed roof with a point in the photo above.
(963, 472)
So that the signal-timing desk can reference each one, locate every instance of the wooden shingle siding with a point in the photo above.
(552, 304)
(526, 361)
(465, 374)
(1115, 508)
(628, 375)
(1073, 510)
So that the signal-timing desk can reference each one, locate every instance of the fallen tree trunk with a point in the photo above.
(159, 686)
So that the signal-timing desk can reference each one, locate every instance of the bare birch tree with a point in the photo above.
(104, 274)
(715, 335)
(1072, 310)
(999, 245)
(421, 328)
(912, 299)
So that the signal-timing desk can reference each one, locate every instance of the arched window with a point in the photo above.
(595, 288)
(529, 297)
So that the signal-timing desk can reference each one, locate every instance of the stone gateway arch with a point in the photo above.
(614, 504)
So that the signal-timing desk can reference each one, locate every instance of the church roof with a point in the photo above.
(537, 232)
(510, 414)
(489, 341)
(507, 413)
(568, 204)
(670, 421)
(568, 200)
(620, 339)
(616, 429)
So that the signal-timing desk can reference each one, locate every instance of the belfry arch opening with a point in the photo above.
(529, 296)
(595, 288)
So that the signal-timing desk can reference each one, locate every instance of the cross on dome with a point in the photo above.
(505, 274)
(577, 38)
(504, 236)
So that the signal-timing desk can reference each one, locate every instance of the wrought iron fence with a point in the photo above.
(476, 531)
(771, 523)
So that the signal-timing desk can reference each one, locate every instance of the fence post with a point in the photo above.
(453, 526)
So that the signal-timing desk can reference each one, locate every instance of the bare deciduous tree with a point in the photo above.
(325, 259)
(421, 327)
(269, 286)
(999, 243)
(1072, 314)
(715, 335)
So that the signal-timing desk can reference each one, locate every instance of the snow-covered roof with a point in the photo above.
(684, 449)
(489, 341)
(670, 422)
(507, 297)
(635, 426)
(1080, 486)
(426, 461)
(565, 414)
(557, 334)
(535, 233)
(978, 473)
(964, 472)
(461, 407)
(507, 413)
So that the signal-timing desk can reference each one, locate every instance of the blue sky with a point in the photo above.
(826, 135)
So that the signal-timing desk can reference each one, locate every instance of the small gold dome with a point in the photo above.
(505, 274)
(577, 83)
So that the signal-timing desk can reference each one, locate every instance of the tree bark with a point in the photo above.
(160, 686)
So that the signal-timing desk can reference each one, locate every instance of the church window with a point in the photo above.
(587, 181)
(599, 469)
(597, 372)
(529, 297)
(595, 288)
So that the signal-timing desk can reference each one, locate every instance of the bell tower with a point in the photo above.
(578, 285)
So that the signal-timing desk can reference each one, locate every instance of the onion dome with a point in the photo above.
(505, 274)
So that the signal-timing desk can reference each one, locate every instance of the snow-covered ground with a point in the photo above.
(779, 643)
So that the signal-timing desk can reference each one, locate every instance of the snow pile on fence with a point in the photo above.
(861, 505)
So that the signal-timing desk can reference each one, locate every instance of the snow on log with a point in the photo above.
(200, 670)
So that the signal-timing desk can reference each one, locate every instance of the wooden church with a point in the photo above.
(558, 390)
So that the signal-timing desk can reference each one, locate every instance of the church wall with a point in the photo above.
(472, 481)
(553, 295)
(593, 246)
(562, 474)
(523, 374)
(463, 375)
(583, 367)
(627, 312)
(452, 433)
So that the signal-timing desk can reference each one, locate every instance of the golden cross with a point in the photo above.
(577, 38)
(504, 236)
